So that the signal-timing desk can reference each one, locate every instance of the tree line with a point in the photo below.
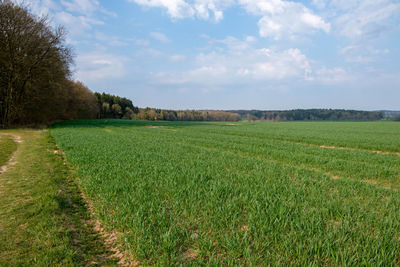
(309, 115)
(185, 115)
(35, 76)
(111, 106)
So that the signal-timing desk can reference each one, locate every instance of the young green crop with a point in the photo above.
(243, 194)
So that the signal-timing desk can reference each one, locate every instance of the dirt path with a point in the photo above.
(109, 239)
(12, 160)
(43, 218)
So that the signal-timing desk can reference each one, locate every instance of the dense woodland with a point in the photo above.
(309, 115)
(35, 77)
(111, 106)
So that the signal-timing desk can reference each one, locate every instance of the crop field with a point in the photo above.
(290, 193)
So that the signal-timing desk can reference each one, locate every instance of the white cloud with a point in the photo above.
(78, 16)
(320, 4)
(251, 39)
(179, 9)
(332, 76)
(284, 19)
(362, 53)
(81, 6)
(86, 7)
(240, 63)
(279, 18)
(160, 37)
(175, 8)
(110, 40)
(77, 25)
(362, 20)
(39, 7)
(147, 53)
(290, 63)
(367, 21)
(210, 9)
(99, 66)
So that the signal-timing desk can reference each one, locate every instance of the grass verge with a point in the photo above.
(43, 219)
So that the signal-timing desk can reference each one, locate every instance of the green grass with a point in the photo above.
(7, 147)
(245, 194)
(43, 220)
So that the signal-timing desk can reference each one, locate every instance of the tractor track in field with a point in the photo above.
(376, 151)
(354, 149)
(108, 238)
(317, 170)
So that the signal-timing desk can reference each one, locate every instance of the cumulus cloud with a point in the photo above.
(280, 19)
(178, 9)
(362, 19)
(175, 8)
(240, 63)
(277, 65)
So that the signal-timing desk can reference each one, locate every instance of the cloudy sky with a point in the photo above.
(236, 54)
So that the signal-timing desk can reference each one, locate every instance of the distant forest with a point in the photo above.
(309, 115)
(111, 106)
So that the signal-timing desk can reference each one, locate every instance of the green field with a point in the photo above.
(299, 193)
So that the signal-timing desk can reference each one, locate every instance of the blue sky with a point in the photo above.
(236, 54)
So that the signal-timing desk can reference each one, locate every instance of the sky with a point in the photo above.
(235, 54)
